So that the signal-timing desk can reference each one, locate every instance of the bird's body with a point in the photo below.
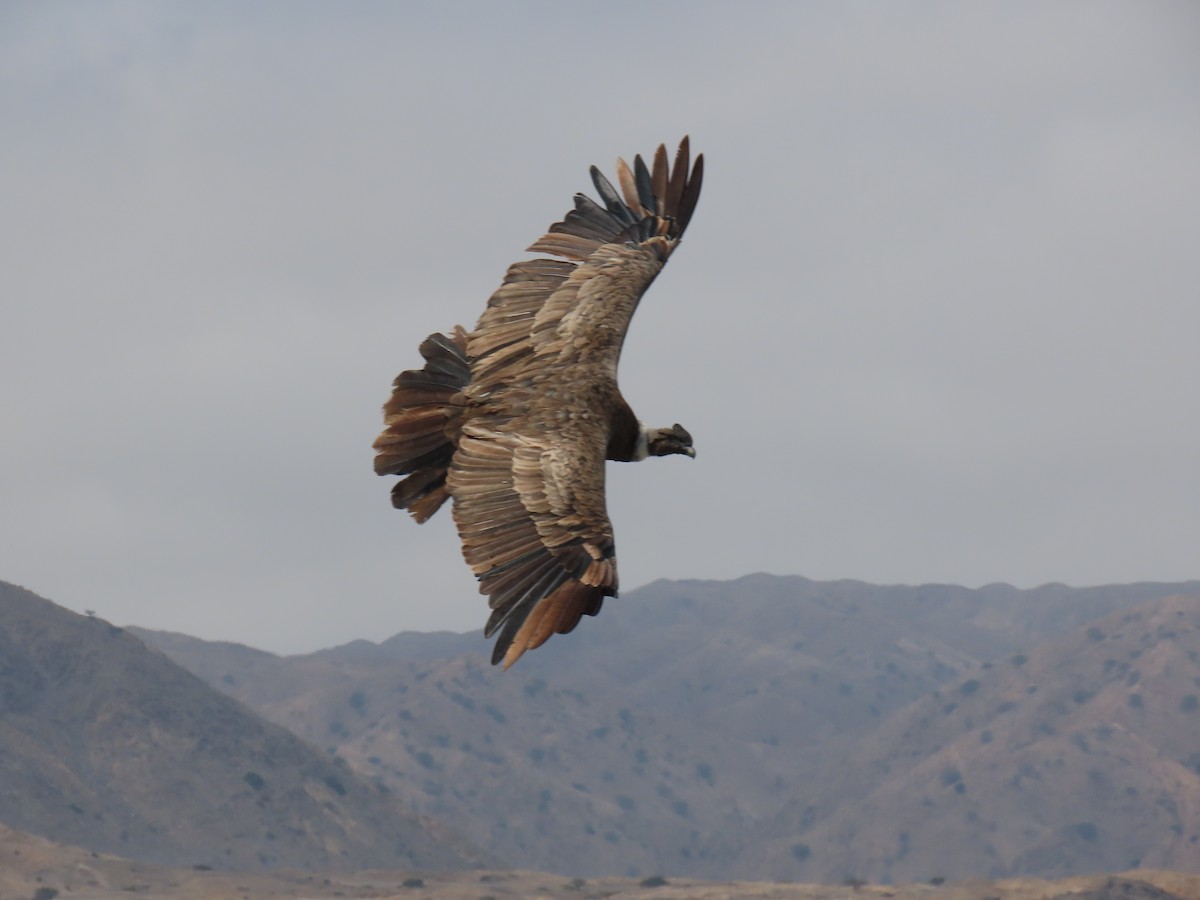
(515, 420)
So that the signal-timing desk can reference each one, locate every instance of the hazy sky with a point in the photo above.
(937, 317)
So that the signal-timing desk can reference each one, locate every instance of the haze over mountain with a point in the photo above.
(108, 745)
(772, 728)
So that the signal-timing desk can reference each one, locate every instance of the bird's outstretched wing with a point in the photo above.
(527, 478)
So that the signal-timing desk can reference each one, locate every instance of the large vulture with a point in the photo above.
(515, 419)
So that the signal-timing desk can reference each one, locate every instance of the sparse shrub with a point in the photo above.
(1095, 635)
(653, 881)
(704, 772)
(413, 883)
(1190, 703)
(45, 893)
(254, 780)
(1135, 701)
(334, 785)
(950, 775)
(937, 880)
(985, 737)
(970, 686)
(801, 851)
(1019, 659)
(358, 702)
(1087, 831)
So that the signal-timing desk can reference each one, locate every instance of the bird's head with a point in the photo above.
(665, 441)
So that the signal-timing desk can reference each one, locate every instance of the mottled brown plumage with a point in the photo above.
(515, 420)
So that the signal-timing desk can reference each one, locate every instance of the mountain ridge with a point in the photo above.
(109, 745)
(667, 735)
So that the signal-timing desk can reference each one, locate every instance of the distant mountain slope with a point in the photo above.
(110, 746)
(661, 737)
(1081, 755)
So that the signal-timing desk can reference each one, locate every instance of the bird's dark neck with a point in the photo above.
(626, 437)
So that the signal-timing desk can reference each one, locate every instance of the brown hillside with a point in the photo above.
(659, 739)
(110, 746)
(1080, 755)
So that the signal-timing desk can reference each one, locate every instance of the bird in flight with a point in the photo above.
(514, 421)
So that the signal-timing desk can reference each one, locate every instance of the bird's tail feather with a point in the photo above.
(422, 420)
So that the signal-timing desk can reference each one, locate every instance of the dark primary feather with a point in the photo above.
(678, 180)
(612, 200)
(690, 196)
(644, 187)
(660, 180)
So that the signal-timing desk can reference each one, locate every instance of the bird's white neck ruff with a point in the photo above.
(642, 449)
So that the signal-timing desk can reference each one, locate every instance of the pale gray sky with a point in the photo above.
(937, 317)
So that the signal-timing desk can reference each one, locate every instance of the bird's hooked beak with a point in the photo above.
(682, 439)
